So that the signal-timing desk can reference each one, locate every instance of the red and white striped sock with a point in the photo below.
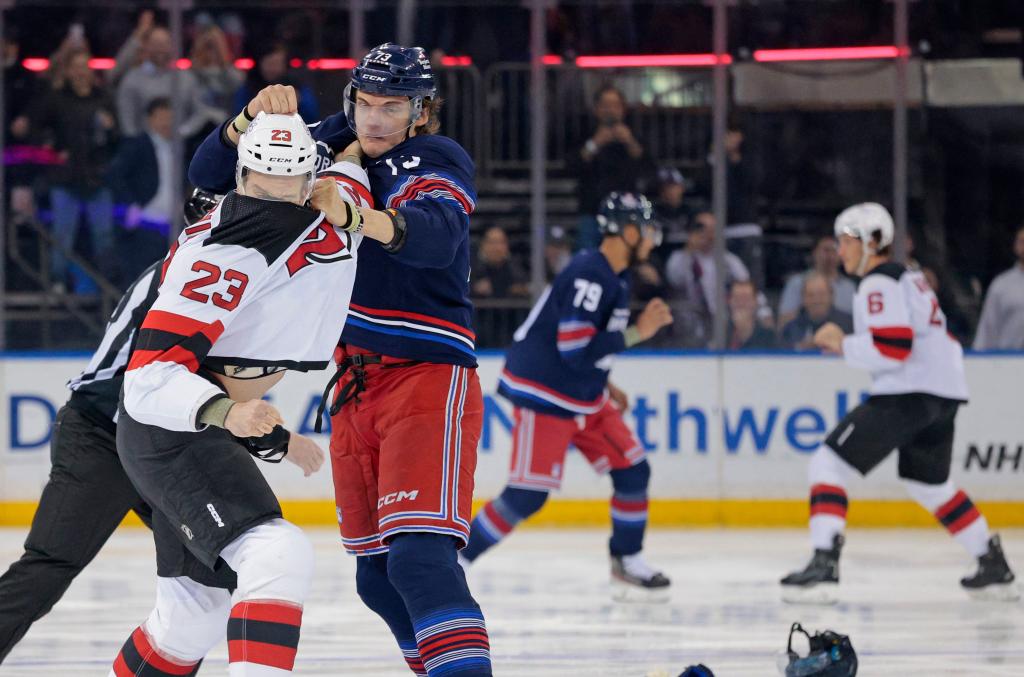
(955, 511)
(140, 656)
(263, 637)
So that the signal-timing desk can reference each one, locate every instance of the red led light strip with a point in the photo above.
(38, 64)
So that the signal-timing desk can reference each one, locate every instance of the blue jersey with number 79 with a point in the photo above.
(559, 361)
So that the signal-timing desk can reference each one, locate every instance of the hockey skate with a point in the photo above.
(818, 582)
(634, 580)
(993, 581)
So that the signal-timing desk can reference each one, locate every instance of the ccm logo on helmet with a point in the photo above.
(375, 78)
(397, 497)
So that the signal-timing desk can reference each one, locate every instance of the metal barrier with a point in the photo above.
(47, 308)
(495, 320)
(461, 90)
(668, 112)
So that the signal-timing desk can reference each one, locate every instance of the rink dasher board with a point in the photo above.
(728, 439)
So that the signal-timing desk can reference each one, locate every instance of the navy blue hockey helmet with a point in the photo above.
(199, 204)
(618, 210)
(392, 70)
(831, 655)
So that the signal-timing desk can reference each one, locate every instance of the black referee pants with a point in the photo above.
(87, 496)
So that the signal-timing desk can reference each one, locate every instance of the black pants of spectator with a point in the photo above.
(87, 496)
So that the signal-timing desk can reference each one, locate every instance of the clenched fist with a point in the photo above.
(254, 418)
(274, 99)
(656, 314)
(829, 338)
(341, 214)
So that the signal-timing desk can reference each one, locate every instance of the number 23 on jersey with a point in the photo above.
(199, 289)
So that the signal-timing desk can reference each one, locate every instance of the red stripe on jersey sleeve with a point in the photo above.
(182, 356)
(893, 352)
(359, 188)
(897, 333)
(414, 189)
(174, 323)
(573, 334)
(198, 227)
(167, 261)
(893, 342)
(181, 326)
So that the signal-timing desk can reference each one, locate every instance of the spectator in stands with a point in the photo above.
(142, 173)
(214, 67)
(557, 252)
(131, 53)
(817, 308)
(670, 207)
(78, 121)
(21, 87)
(1001, 326)
(692, 276)
(746, 332)
(825, 262)
(73, 43)
(741, 191)
(495, 274)
(272, 68)
(610, 160)
(155, 78)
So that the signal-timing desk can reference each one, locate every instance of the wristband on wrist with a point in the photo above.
(354, 216)
(241, 122)
(215, 411)
(632, 336)
(398, 239)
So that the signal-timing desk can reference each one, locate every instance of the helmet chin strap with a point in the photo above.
(864, 257)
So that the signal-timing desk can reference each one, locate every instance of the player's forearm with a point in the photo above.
(603, 344)
(434, 234)
(378, 225)
(213, 165)
(166, 395)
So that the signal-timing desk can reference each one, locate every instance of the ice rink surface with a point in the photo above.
(546, 598)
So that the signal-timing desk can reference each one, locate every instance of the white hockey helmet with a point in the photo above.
(278, 145)
(870, 223)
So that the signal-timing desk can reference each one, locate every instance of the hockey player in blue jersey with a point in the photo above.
(405, 429)
(556, 375)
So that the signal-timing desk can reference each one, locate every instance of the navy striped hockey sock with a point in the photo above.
(449, 626)
(499, 517)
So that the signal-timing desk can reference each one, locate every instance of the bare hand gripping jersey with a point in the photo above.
(900, 336)
(256, 285)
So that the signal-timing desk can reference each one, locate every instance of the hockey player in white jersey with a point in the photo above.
(918, 384)
(259, 286)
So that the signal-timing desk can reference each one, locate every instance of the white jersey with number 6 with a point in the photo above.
(900, 336)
